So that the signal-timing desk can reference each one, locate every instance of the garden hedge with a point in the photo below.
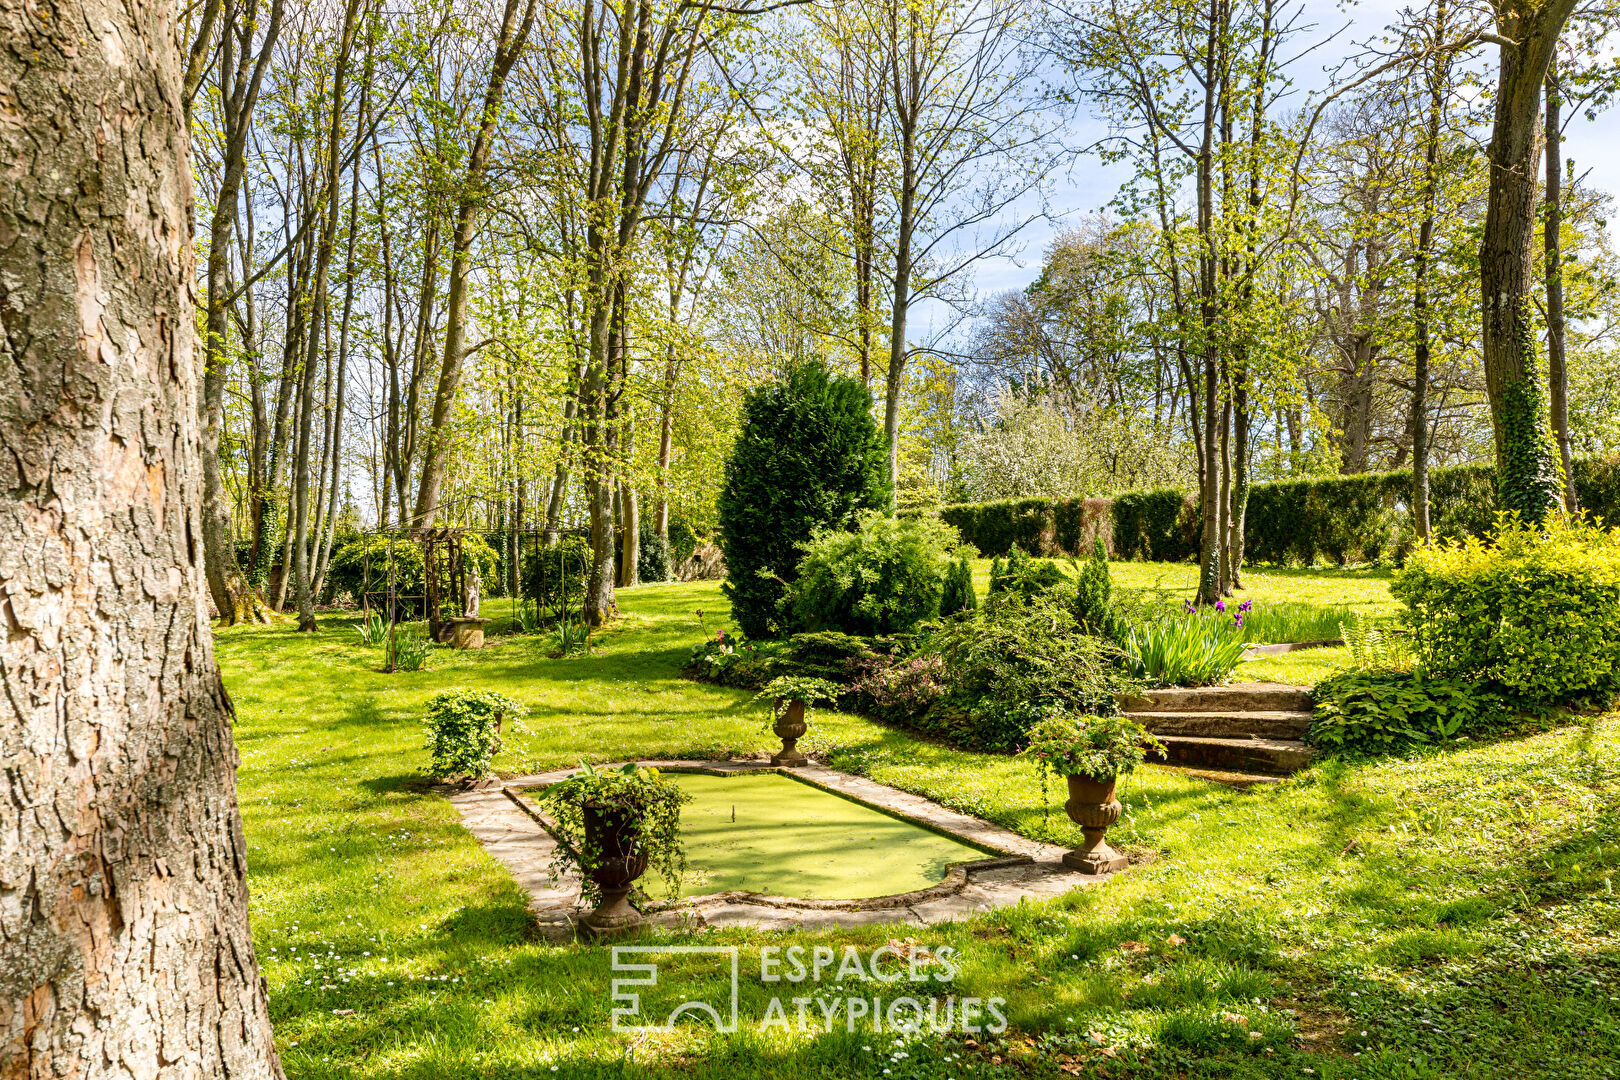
(1337, 518)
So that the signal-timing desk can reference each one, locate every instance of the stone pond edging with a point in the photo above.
(1015, 867)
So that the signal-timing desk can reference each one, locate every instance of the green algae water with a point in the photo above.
(767, 833)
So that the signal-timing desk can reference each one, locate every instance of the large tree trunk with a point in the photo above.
(1553, 269)
(124, 946)
(1527, 476)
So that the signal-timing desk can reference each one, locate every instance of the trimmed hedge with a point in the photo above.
(1338, 518)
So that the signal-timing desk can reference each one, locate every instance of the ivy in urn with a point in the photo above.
(791, 697)
(1090, 753)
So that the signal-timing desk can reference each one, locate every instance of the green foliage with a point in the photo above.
(959, 593)
(570, 635)
(787, 688)
(362, 565)
(464, 730)
(1278, 622)
(1023, 575)
(1529, 481)
(883, 577)
(1535, 611)
(554, 577)
(1195, 648)
(1100, 748)
(1371, 712)
(1158, 525)
(1011, 662)
(809, 456)
(640, 797)
(1094, 595)
(406, 648)
(652, 557)
(372, 628)
(1372, 647)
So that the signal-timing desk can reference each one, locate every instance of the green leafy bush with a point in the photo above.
(554, 577)
(362, 566)
(1194, 648)
(464, 730)
(1009, 663)
(1534, 611)
(1373, 712)
(652, 557)
(1024, 576)
(809, 456)
(959, 593)
(634, 794)
(884, 577)
(1094, 595)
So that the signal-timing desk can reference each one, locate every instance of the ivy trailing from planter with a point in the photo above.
(1100, 748)
(649, 804)
(787, 688)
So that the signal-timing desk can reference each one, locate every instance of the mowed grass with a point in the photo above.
(1450, 916)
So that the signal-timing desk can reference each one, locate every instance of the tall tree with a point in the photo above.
(516, 22)
(1527, 471)
(124, 945)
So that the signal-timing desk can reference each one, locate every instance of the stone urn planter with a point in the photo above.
(615, 836)
(1092, 806)
(790, 728)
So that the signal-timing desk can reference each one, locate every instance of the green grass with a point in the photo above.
(773, 834)
(1448, 916)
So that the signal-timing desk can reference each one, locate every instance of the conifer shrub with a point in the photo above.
(808, 457)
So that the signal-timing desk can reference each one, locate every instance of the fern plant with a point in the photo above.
(1372, 647)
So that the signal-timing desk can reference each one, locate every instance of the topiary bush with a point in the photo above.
(883, 577)
(1535, 611)
(808, 457)
(1094, 596)
(464, 730)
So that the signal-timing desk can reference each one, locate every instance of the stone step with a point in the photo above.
(1236, 697)
(1278, 757)
(1226, 725)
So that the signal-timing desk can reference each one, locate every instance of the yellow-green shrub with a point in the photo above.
(1534, 611)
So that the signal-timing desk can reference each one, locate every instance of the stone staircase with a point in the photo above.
(1244, 732)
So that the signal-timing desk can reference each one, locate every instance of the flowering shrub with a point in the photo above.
(1535, 611)
(901, 690)
(464, 730)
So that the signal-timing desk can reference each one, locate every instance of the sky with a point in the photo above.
(1087, 185)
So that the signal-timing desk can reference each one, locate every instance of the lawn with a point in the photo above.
(1448, 916)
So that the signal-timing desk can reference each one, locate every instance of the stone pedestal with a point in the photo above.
(1092, 806)
(467, 633)
(790, 728)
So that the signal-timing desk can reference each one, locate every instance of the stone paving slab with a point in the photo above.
(1016, 867)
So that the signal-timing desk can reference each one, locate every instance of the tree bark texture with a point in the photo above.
(124, 946)
(1527, 474)
(1553, 268)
